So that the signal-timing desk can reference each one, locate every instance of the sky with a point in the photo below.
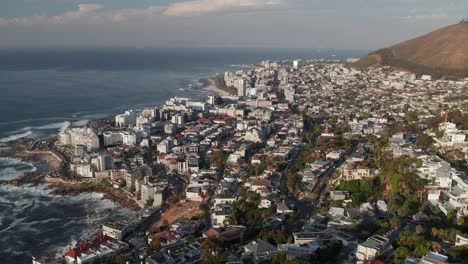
(333, 24)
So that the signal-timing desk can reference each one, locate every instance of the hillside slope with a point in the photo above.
(441, 53)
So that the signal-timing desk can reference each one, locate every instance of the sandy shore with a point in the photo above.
(210, 86)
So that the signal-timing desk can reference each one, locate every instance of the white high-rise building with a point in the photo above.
(296, 64)
(128, 138)
(112, 138)
(102, 162)
(79, 136)
(126, 119)
(241, 86)
(64, 138)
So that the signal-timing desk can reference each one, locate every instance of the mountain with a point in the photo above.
(442, 53)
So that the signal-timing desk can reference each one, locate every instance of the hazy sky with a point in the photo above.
(338, 24)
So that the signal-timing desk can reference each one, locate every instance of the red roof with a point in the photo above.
(168, 236)
(203, 120)
(221, 119)
(85, 246)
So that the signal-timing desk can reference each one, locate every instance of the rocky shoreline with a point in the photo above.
(18, 149)
(65, 188)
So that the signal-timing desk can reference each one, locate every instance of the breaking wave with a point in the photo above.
(36, 221)
(15, 136)
(12, 168)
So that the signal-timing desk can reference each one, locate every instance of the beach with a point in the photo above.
(209, 85)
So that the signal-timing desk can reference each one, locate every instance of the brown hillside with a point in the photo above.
(441, 53)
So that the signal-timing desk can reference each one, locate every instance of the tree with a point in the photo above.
(395, 222)
(421, 250)
(216, 260)
(424, 141)
(330, 251)
(155, 245)
(209, 247)
(150, 202)
(458, 254)
(400, 254)
(219, 158)
(419, 229)
(274, 236)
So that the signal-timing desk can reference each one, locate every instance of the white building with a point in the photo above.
(112, 138)
(165, 146)
(125, 120)
(83, 170)
(129, 138)
(80, 136)
(372, 247)
(241, 86)
(114, 230)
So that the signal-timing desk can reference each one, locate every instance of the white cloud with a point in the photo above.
(196, 7)
(86, 8)
(95, 13)
(86, 14)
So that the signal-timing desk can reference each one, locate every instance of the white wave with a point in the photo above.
(80, 122)
(60, 126)
(95, 116)
(30, 130)
(28, 201)
(30, 120)
(15, 136)
(13, 168)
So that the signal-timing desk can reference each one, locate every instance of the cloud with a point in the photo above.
(86, 14)
(95, 13)
(86, 8)
(197, 7)
(423, 17)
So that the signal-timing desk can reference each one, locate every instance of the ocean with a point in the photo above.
(43, 91)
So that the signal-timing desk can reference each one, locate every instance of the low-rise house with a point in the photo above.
(461, 240)
(367, 209)
(429, 258)
(98, 248)
(228, 234)
(334, 155)
(372, 247)
(275, 221)
(382, 207)
(220, 213)
(336, 212)
(160, 258)
(114, 230)
(283, 208)
(264, 203)
(294, 251)
(260, 250)
(166, 237)
(182, 252)
(353, 172)
(307, 237)
(339, 195)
